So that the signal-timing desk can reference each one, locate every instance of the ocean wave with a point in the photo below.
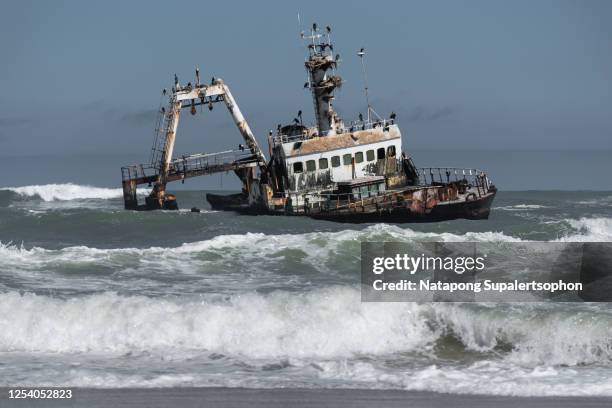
(316, 248)
(601, 201)
(596, 229)
(314, 244)
(65, 192)
(322, 323)
(482, 378)
(520, 207)
(230, 255)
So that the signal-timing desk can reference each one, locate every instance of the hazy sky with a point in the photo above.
(86, 76)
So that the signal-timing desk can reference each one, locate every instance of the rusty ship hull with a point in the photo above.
(386, 209)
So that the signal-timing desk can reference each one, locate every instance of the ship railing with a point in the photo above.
(281, 138)
(204, 161)
(470, 178)
(368, 124)
(138, 171)
(316, 202)
(348, 128)
(188, 163)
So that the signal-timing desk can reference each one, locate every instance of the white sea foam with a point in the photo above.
(598, 229)
(323, 334)
(316, 247)
(66, 192)
(538, 336)
(323, 323)
(485, 378)
(521, 207)
(601, 201)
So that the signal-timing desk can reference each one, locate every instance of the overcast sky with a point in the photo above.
(86, 77)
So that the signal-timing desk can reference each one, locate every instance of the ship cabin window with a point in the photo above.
(298, 167)
(346, 159)
(323, 163)
(380, 153)
(391, 151)
(370, 155)
(311, 165)
(358, 157)
(371, 190)
(335, 161)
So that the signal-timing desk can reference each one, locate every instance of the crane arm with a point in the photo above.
(211, 93)
(190, 96)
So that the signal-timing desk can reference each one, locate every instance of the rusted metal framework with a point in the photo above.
(183, 168)
(322, 80)
(164, 169)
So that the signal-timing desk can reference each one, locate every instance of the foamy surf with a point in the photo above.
(95, 296)
(521, 207)
(326, 323)
(318, 244)
(66, 192)
(591, 229)
(481, 378)
(325, 336)
(478, 379)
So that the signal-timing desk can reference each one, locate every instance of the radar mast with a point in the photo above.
(322, 79)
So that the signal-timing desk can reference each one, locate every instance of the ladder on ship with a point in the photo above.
(162, 125)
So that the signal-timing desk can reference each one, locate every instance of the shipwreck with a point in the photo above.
(334, 170)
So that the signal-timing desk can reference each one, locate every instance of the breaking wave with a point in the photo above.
(322, 323)
(598, 229)
(317, 244)
(227, 263)
(65, 192)
(325, 333)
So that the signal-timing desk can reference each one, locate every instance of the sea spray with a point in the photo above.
(66, 192)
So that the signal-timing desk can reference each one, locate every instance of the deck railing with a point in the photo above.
(471, 178)
(348, 128)
(211, 162)
(317, 202)
(429, 175)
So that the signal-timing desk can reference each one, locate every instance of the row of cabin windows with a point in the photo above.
(298, 167)
(371, 190)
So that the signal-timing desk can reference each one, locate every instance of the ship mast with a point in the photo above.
(361, 55)
(322, 83)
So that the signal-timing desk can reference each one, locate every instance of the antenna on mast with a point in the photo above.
(300, 25)
(361, 55)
